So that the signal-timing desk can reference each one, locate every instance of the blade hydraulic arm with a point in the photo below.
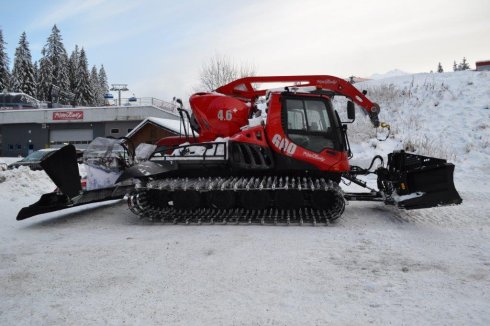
(409, 181)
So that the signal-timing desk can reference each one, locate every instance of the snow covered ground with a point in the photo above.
(377, 265)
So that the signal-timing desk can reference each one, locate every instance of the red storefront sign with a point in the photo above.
(68, 115)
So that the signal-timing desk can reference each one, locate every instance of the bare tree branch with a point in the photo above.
(221, 70)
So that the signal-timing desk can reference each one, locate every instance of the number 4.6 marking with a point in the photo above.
(225, 115)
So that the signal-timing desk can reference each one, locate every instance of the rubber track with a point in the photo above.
(140, 204)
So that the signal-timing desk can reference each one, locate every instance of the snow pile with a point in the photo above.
(5, 161)
(23, 182)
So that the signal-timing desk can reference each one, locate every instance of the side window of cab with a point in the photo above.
(307, 123)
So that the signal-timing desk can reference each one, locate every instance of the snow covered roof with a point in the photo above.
(17, 99)
(174, 126)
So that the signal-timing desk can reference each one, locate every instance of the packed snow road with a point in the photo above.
(376, 265)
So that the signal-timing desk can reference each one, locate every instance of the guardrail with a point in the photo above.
(132, 101)
(146, 101)
(22, 106)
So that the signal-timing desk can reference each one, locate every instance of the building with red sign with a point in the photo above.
(68, 115)
(483, 65)
(25, 130)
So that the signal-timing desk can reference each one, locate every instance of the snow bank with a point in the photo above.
(23, 182)
(438, 114)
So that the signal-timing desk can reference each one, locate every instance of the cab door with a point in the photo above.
(303, 127)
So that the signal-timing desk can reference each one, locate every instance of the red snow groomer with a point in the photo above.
(284, 169)
(282, 166)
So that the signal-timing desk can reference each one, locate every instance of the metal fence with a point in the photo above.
(132, 101)
(146, 101)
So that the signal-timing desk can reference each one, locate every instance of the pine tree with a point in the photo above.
(84, 94)
(94, 84)
(464, 65)
(23, 71)
(73, 69)
(45, 79)
(36, 78)
(54, 50)
(103, 85)
(36, 71)
(439, 68)
(455, 66)
(4, 66)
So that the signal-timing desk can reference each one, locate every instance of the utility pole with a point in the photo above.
(119, 88)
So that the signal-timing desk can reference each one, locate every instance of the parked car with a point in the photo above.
(33, 160)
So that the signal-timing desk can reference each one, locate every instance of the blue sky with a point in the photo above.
(159, 47)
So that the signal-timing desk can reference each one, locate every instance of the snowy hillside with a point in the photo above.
(443, 115)
(377, 265)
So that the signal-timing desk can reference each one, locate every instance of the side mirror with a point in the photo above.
(351, 110)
